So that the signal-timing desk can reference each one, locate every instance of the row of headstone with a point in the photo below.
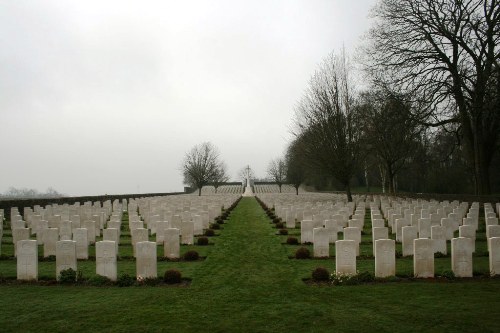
(106, 257)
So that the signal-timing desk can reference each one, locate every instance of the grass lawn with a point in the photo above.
(248, 284)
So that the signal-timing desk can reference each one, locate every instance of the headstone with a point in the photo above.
(400, 223)
(306, 231)
(139, 235)
(115, 225)
(146, 260)
(379, 233)
(468, 231)
(461, 257)
(80, 236)
(345, 257)
(385, 257)
(353, 233)
(449, 227)
(494, 258)
(65, 256)
(409, 234)
(172, 243)
(321, 241)
(378, 223)
(90, 226)
(27, 260)
(424, 228)
(290, 220)
(19, 235)
(198, 225)
(423, 258)
(50, 238)
(65, 230)
(111, 234)
(106, 259)
(439, 238)
(187, 233)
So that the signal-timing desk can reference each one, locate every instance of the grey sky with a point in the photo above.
(107, 96)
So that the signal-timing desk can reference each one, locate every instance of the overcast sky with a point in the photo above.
(106, 97)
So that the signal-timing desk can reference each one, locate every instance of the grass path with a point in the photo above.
(248, 284)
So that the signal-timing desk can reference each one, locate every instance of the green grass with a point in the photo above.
(248, 284)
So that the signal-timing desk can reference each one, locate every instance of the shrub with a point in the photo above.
(191, 255)
(99, 280)
(209, 232)
(283, 232)
(352, 279)
(448, 275)
(215, 226)
(276, 220)
(125, 280)
(172, 276)
(302, 253)
(292, 240)
(67, 276)
(202, 241)
(280, 225)
(321, 274)
(220, 220)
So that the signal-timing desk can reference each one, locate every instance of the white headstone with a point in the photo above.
(439, 238)
(423, 258)
(187, 233)
(111, 234)
(306, 231)
(19, 235)
(106, 259)
(385, 257)
(345, 257)
(139, 235)
(494, 258)
(90, 226)
(146, 260)
(409, 234)
(27, 260)
(50, 238)
(80, 236)
(321, 241)
(424, 228)
(353, 233)
(461, 257)
(379, 233)
(172, 243)
(65, 256)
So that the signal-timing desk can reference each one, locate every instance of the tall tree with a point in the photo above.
(295, 164)
(446, 53)
(277, 171)
(327, 119)
(201, 165)
(390, 131)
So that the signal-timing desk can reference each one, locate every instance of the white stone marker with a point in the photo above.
(409, 234)
(106, 259)
(19, 235)
(494, 258)
(461, 257)
(80, 236)
(65, 256)
(90, 226)
(468, 231)
(423, 258)
(161, 226)
(187, 233)
(111, 234)
(449, 227)
(492, 231)
(399, 224)
(139, 235)
(345, 257)
(424, 228)
(379, 233)
(385, 257)
(27, 260)
(321, 241)
(146, 260)
(290, 220)
(306, 231)
(353, 233)
(197, 225)
(171, 244)
(50, 238)
(65, 230)
(439, 238)
(378, 223)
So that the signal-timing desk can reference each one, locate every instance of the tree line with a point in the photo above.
(427, 117)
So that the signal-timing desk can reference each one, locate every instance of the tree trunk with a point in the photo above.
(199, 191)
(382, 177)
(348, 191)
(279, 185)
(366, 178)
(216, 189)
(391, 175)
(297, 190)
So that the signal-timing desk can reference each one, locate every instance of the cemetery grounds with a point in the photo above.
(249, 283)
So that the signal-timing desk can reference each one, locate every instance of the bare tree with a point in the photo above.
(277, 171)
(220, 176)
(327, 120)
(391, 134)
(201, 165)
(446, 53)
